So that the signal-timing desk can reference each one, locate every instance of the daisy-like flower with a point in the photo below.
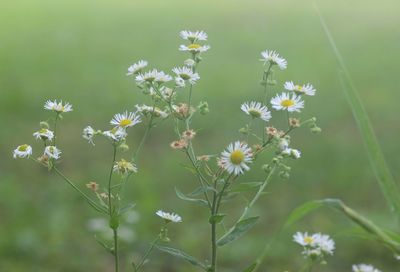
(236, 157)
(256, 110)
(22, 151)
(44, 134)
(285, 102)
(193, 35)
(186, 74)
(304, 239)
(194, 48)
(180, 82)
(146, 110)
(153, 76)
(124, 167)
(189, 134)
(137, 67)
(169, 217)
(163, 77)
(272, 57)
(58, 107)
(125, 120)
(364, 268)
(92, 186)
(325, 244)
(52, 152)
(88, 134)
(116, 134)
(180, 144)
(294, 153)
(307, 89)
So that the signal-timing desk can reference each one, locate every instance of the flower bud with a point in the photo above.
(44, 124)
(123, 147)
(203, 107)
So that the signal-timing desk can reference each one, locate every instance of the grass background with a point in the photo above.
(78, 51)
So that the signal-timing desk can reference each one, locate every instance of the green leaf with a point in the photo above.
(302, 211)
(190, 168)
(216, 218)
(385, 179)
(186, 198)
(201, 190)
(246, 186)
(238, 230)
(251, 268)
(182, 255)
(127, 208)
(104, 245)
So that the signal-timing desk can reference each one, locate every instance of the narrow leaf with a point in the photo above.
(250, 268)
(246, 186)
(186, 198)
(216, 218)
(126, 208)
(201, 190)
(238, 230)
(302, 211)
(182, 255)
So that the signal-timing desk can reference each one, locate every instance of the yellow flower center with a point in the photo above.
(194, 46)
(298, 88)
(125, 122)
(308, 240)
(23, 147)
(255, 113)
(237, 157)
(43, 131)
(287, 103)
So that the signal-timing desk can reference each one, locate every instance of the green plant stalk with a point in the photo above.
(111, 212)
(147, 254)
(116, 253)
(385, 179)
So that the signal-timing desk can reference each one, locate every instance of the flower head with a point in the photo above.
(137, 67)
(294, 153)
(236, 157)
(153, 76)
(124, 167)
(52, 152)
(88, 134)
(304, 239)
(272, 57)
(125, 120)
(256, 110)
(92, 186)
(179, 144)
(364, 268)
(285, 102)
(186, 74)
(169, 217)
(57, 106)
(307, 89)
(116, 134)
(189, 134)
(194, 48)
(315, 245)
(148, 110)
(22, 151)
(44, 134)
(193, 35)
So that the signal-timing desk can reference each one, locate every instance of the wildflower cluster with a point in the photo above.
(316, 246)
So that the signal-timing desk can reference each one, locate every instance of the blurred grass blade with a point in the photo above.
(385, 179)
(238, 230)
(177, 253)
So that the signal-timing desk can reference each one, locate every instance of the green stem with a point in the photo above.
(148, 252)
(55, 129)
(109, 181)
(146, 132)
(116, 253)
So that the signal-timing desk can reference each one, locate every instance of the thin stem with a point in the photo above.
(109, 181)
(55, 128)
(146, 132)
(116, 253)
(265, 77)
(148, 252)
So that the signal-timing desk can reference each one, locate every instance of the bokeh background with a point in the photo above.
(78, 51)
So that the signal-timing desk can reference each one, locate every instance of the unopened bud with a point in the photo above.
(44, 124)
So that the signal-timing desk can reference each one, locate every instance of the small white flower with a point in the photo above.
(186, 74)
(88, 134)
(294, 153)
(285, 102)
(283, 144)
(180, 82)
(256, 110)
(315, 245)
(145, 110)
(136, 67)
(325, 243)
(57, 106)
(22, 151)
(189, 63)
(236, 157)
(193, 35)
(125, 120)
(272, 57)
(169, 217)
(364, 268)
(153, 76)
(307, 89)
(116, 134)
(124, 167)
(304, 239)
(194, 48)
(52, 152)
(44, 134)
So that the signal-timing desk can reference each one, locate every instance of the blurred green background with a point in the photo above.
(78, 51)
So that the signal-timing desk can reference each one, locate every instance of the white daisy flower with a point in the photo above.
(44, 134)
(304, 239)
(153, 76)
(270, 56)
(256, 110)
(364, 268)
(193, 35)
(125, 120)
(57, 106)
(88, 134)
(307, 89)
(325, 244)
(285, 102)
(162, 77)
(124, 167)
(145, 110)
(169, 217)
(236, 157)
(186, 74)
(294, 153)
(22, 151)
(194, 48)
(137, 67)
(52, 152)
(116, 134)
(180, 82)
